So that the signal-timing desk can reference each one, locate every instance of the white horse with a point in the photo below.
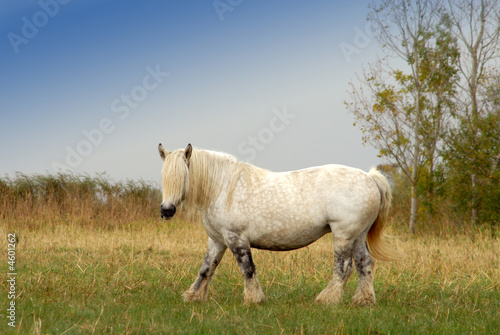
(245, 207)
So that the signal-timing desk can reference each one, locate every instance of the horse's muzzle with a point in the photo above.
(167, 212)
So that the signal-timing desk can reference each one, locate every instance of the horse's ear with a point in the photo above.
(188, 152)
(163, 152)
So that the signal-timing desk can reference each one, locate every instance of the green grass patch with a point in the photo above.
(74, 280)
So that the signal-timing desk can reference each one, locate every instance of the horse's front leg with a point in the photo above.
(253, 291)
(199, 290)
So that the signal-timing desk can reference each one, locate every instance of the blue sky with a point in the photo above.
(94, 86)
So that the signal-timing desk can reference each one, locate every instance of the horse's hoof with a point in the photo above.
(254, 301)
(194, 296)
(255, 298)
(331, 295)
(366, 299)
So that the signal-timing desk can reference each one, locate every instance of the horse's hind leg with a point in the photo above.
(199, 290)
(342, 269)
(365, 295)
(253, 291)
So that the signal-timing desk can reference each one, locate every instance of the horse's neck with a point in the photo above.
(219, 174)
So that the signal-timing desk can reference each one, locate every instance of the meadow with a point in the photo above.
(110, 265)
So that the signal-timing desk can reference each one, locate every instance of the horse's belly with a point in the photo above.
(286, 238)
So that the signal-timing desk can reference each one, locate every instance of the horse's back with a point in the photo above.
(337, 183)
(318, 193)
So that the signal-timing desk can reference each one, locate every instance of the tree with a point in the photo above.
(438, 118)
(474, 150)
(475, 24)
(440, 72)
(393, 107)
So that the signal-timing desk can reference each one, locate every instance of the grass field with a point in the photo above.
(128, 279)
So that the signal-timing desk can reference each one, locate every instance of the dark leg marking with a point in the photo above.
(205, 269)
(244, 258)
(362, 264)
(208, 267)
(363, 261)
(365, 295)
(343, 263)
(342, 269)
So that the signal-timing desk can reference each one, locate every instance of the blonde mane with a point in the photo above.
(209, 170)
(208, 173)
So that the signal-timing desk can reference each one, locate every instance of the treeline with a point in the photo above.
(34, 201)
(432, 107)
(40, 200)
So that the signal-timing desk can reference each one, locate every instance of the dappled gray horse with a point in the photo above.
(245, 207)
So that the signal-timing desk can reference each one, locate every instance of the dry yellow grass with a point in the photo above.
(79, 266)
(451, 261)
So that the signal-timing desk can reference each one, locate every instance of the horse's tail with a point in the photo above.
(377, 244)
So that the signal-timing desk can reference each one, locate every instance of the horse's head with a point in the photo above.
(175, 178)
